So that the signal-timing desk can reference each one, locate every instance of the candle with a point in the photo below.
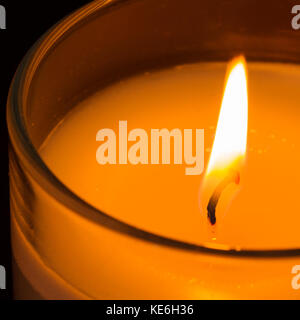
(161, 199)
(188, 97)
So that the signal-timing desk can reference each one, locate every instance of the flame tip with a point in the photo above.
(231, 135)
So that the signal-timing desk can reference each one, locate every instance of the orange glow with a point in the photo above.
(229, 146)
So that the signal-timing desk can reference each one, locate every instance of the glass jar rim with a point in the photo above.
(46, 179)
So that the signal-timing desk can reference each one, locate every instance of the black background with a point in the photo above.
(26, 22)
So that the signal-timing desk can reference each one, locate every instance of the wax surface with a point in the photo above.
(161, 199)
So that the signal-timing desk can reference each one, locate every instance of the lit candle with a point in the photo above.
(254, 182)
(185, 98)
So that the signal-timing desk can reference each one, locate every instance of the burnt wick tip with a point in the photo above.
(232, 177)
(211, 213)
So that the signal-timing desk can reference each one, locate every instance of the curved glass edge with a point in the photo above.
(50, 183)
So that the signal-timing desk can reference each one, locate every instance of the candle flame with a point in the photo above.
(230, 141)
(229, 148)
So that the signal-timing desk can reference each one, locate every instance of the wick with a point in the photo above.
(232, 177)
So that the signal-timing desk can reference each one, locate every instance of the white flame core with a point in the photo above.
(231, 135)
